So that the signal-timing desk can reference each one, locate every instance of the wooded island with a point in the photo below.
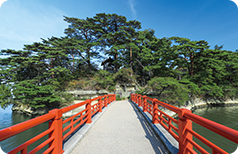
(176, 69)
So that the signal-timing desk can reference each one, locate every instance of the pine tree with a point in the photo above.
(188, 52)
(82, 33)
(115, 32)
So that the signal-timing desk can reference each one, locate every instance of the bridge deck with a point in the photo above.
(121, 129)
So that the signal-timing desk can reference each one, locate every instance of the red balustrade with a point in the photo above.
(59, 129)
(181, 129)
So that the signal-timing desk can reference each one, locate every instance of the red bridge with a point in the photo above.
(126, 127)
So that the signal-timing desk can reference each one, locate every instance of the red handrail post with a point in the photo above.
(145, 104)
(106, 99)
(183, 125)
(139, 100)
(155, 112)
(100, 103)
(24, 151)
(136, 98)
(57, 124)
(89, 111)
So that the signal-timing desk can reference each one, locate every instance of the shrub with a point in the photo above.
(170, 90)
(118, 98)
(66, 99)
(84, 98)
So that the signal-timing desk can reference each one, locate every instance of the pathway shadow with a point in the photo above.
(157, 144)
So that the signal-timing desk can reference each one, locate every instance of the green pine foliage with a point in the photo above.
(36, 96)
(124, 76)
(114, 35)
(105, 80)
(170, 89)
(5, 95)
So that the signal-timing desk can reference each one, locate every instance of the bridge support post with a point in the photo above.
(139, 100)
(89, 112)
(57, 124)
(155, 112)
(100, 104)
(136, 98)
(106, 100)
(144, 104)
(131, 97)
(183, 125)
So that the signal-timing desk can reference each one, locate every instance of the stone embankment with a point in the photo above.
(191, 105)
(200, 103)
(21, 108)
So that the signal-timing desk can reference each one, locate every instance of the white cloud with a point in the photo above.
(28, 22)
(1, 2)
(132, 6)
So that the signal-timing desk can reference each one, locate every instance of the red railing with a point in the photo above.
(59, 129)
(181, 129)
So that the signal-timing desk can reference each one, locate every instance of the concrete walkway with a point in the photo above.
(121, 129)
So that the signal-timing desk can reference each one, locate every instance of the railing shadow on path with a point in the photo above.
(156, 143)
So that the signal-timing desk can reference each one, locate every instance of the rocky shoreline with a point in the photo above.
(21, 108)
(191, 105)
(199, 103)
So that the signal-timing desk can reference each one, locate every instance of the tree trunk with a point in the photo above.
(115, 64)
(191, 59)
(88, 57)
(131, 60)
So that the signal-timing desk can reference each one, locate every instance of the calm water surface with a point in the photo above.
(227, 116)
(7, 118)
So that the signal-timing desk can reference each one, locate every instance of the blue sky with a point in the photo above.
(216, 21)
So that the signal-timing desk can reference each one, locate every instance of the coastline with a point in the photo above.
(190, 105)
(24, 109)
(199, 103)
